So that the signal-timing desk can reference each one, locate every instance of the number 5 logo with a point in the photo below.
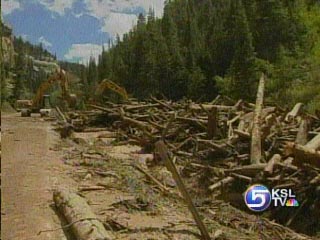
(257, 198)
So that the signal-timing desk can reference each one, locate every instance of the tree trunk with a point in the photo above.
(256, 151)
(85, 225)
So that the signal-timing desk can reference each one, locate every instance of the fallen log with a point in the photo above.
(64, 119)
(76, 210)
(208, 107)
(294, 112)
(248, 170)
(221, 183)
(270, 165)
(162, 187)
(302, 154)
(90, 188)
(302, 135)
(314, 143)
(163, 152)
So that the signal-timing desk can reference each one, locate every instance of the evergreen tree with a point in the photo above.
(242, 69)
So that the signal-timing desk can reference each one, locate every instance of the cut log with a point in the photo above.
(302, 154)
(242, 134)
(314, 143)
(85, 225)
(270, 165)
(221, 183)
(302, 135)
(208, 107)
(306, 155)
(256, 151)
(294, 112)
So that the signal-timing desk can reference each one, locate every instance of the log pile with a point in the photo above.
(237, 142)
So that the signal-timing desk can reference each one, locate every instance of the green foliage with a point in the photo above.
(201, 48)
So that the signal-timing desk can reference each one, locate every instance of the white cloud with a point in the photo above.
(118, 23)
(82, 52)
(58, 6)
(8, 6)
(115, 16)
(45, 42)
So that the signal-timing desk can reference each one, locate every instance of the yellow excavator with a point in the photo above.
(108, 84)
(40, 103)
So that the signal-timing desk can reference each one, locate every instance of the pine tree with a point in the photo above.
(92, 76)
(242, 68)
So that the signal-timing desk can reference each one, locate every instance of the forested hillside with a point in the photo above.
(24, 67)
(203, 48)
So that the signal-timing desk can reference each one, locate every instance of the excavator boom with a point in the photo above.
(108, 84)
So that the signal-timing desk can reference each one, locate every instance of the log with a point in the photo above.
(76, 210)
(90, 188)
(302, 135)
(162, 103)
(208, 107)
(221, 183)
(163, 152)
(103, 109)
(212, 124)
(248, 170)
(294, 112)
(64, 119)
(256, 151)
(242, 134)
(314, 143)
(303, 154)
(162, 187)
(270, 165)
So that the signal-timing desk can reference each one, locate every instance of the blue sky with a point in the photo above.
(74, 29)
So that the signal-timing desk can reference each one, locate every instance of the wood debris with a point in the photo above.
(237, 142)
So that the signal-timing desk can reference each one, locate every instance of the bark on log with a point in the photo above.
(256, 151)
(75, 209)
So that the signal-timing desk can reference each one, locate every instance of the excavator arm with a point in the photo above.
(108, 84)
(58, 76)
(38, 102)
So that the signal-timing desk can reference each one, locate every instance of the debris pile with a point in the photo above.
(227, 146)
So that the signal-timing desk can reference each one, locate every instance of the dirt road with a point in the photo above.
(30, 170)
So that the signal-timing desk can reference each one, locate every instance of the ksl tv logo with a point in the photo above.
(258, 198)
